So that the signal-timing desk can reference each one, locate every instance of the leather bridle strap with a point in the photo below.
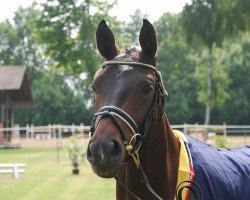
(115, 113)
(150, 114)
(127, 189)
(134, 63)
(145, 181)
(119, 113)
(148, 186)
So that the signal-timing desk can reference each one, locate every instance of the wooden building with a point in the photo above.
(14, 90)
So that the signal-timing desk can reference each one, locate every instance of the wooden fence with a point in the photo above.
(45, 132)
(234, 135)
(237, 135)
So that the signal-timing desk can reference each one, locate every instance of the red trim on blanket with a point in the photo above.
(191, 178)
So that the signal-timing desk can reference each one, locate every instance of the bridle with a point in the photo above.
(133, 145)
(116, 114)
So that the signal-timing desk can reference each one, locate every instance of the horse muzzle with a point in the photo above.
(106, 156)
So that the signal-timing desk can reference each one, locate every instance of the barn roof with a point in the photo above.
(13, 79)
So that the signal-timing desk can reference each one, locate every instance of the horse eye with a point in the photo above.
(146, 89)
(92, 88)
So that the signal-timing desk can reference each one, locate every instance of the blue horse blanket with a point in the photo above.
(222, 174)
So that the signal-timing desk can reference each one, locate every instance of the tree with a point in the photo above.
(132, 28)
(210, 21)
(66, 29)
(236, 108)
(57, 97)
(18, 47)
(55, 102)
(8, 45)
(168, 27)
(66, 32)
(177, 69)
(219, 77)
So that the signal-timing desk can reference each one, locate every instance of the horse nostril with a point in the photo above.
(90, 154)
(116, 150)
(104, 151)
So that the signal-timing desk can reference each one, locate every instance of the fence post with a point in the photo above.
(15, 171)
(81, 129)
(59, 127)
(73, 130)
(49, 132)
(13, 132)
(16, 131)
(245, 137)
(225, 130)
(197, 130)
(32, 134)
(185, 128)
(54, 131)
(27, 131)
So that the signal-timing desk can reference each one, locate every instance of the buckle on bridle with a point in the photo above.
(133, 147)
(134, 144)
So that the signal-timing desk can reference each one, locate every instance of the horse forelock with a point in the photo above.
(132, 54)
(135, 54)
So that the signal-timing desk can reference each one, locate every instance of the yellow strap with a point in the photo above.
(184, 164)
(134, 152)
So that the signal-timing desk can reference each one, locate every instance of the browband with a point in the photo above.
(117, 62)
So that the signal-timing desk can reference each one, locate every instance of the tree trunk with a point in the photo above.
(209, 90)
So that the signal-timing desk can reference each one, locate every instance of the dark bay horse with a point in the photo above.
(131, 138)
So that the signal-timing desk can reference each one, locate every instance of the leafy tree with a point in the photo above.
(132, 28)
(55, 102)
(219, 77)
(30, 53)
(211, 21)
(18, 47)
(8, 45)
(168, 27)
(58, 98)
(177, 70)
(236, 108)
(66, 29)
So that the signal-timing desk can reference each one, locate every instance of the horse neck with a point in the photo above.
(159, 157)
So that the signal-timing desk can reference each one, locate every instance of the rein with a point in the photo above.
(133, 145)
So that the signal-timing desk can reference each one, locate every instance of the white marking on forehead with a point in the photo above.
(124, 68)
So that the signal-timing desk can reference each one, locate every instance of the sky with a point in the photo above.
(154, 8)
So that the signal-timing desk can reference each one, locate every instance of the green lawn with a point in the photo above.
(45, 179)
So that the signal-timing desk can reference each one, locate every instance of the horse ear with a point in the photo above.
(147, 40)
(105, 41)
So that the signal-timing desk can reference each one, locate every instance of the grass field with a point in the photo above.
(45, 179)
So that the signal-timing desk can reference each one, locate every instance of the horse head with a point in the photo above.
(127, 91)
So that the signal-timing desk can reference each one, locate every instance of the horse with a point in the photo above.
(132, 141)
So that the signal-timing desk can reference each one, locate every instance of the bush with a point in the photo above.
(221, 142)
(76, 153)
